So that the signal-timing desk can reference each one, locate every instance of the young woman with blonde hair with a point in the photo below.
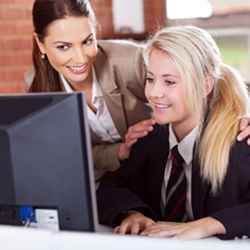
(190, 169)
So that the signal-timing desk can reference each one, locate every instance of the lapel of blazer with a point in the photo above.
(160, 150)
(199, 191)
(111, 93)
(160, 166)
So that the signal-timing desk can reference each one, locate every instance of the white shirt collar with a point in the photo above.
(96, 91)
(186, 145)
(65, 84)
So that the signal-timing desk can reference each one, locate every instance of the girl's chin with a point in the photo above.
(161, 118)
(161, 121)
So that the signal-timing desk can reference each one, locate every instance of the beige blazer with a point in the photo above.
(120, 72)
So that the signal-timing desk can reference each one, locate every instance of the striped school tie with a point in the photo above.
(176, 192)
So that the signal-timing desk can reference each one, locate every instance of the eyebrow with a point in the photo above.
(68, 43)
(169, 75)
(164, 75)
(148, 72)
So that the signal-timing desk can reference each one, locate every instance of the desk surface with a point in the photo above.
(69, 241)
(29, 239)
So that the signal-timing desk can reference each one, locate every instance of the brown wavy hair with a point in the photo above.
(44, 12)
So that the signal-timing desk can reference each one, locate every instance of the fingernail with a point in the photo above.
(242, 127)
(239, 138)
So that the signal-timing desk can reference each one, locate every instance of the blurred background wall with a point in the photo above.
(227, 20)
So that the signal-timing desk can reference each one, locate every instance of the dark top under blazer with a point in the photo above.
(137, 186)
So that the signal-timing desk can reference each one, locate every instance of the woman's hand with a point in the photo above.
(135, 132)
(134, 223)
(198, 229)
(244, 129)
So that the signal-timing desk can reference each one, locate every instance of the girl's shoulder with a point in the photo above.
(159, 136)
(239, 161)
(240, 150)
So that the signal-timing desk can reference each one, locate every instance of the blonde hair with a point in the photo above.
(198, 59)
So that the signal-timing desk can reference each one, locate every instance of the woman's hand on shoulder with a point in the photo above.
(134, 132)
(193, 230)
(244, 130)
(134, 223)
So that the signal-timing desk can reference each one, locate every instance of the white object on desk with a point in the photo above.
(47, 219)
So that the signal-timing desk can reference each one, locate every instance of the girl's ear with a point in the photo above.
(209, 85)
(39, 43)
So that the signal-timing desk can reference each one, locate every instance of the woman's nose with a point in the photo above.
(79, 55)
(157, 90)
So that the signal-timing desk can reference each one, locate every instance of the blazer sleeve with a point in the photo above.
(122, 190)
(236, 219)
(105, 158)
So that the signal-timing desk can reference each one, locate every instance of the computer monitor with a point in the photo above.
(45, 156)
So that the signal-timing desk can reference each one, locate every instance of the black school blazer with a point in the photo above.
(137, 186)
